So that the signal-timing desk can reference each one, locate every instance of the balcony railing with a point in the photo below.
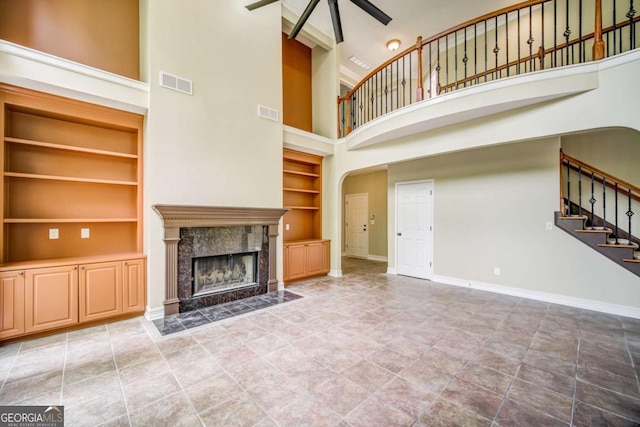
(529, 36)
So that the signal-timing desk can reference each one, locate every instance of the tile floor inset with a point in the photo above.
(364, 349)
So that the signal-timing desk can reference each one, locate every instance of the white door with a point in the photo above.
(414, 228)
(356, 214)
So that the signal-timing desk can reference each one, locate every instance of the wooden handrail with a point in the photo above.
(474, 21)
(610, 178)
(376, 70)
(539, 54)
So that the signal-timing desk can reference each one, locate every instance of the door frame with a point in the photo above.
(432, 225)
(346, 219)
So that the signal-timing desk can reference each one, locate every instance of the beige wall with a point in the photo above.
(375, 185)
(491, 206)
(615, 151)
(211, 148)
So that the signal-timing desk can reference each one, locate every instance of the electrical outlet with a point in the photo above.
(84, 233)
(549, 225)
(496, 271)
(286, 227)
(54, 233)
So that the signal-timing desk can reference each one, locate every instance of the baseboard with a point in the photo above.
(391, 270)
(335, 273)
(377, 258)
(154, 313)
(587, 304)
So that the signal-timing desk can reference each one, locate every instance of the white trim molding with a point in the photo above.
(154, 313)
(378, 258)
(335, 273)
(587, 304)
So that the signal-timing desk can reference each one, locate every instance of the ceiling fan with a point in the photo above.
(365, 5)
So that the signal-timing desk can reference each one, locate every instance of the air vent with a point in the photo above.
(176, 83)
(267, 113)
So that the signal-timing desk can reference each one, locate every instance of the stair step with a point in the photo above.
(595, 230)
(573, 217)
(637, 261)
(623, 242)
(619, 245)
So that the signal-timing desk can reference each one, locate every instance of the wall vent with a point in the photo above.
(176, 83)
(268, 113)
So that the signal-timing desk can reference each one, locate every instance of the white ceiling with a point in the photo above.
(365, 37)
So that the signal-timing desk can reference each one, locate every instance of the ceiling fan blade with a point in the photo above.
(260, 3)
(335, 19)
(303, 18)
(372, 10)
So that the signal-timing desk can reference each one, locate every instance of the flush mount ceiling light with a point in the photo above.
(359, 63)
(393, 45)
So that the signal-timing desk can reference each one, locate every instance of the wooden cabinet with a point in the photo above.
(302, 195)
(306, 254)
(51, 298)
(11, 304)
(71, 212)
(71, 167)
(134, 286)
(46, 298)
(306, 259)
(100, 290)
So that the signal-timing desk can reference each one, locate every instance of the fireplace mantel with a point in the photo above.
(175, 217)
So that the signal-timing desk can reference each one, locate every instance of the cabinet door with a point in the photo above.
(100, 290)
(51, 298)
(296, 261)
(326, 265)
(11, 304)
(133, 285)
(315, 258)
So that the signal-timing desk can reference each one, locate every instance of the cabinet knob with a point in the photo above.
(20, 273)
(125, 263)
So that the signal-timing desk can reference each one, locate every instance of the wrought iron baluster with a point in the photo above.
(518, 67)
(632, 35)
(530, 40)
(580, 190)
(465, 59)
(542, 20)
(446, 62)
(372, 99)
(430, 73)
(615, 26)
(615, 185)
(486, 55)
(353, 111)
(506, 40)
(567, 32)
(604, 202)
(397, 83)
(630, 214)
(592, 200)
(410, 80)
(404, 82)
(568, 188)
(455, 58)
(580, 42)
(555, 34)
(475, 52)
(386, 90)
(496, 49)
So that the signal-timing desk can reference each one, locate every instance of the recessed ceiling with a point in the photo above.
(366, 38)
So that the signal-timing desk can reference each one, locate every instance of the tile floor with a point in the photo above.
(366, 349)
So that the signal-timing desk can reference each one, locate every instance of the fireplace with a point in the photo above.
(220, 273)
(215, 255)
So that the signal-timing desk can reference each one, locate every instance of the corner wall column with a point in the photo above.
(171, 239)
(272, 284)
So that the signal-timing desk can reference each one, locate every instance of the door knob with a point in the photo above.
(399, 234)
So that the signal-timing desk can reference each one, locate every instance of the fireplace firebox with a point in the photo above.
(220, 273)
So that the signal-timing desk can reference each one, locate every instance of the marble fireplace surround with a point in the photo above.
(175, 217)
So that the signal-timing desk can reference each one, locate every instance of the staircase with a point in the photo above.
(624, 252)
(585, 190)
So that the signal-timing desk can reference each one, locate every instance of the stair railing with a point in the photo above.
(575, 175)
(526, 37)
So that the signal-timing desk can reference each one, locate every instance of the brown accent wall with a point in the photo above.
(296, 84)
(99, 33)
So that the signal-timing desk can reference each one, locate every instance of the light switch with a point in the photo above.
(84, 233)
(54, 233)
(286, 227)
(373, 222)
